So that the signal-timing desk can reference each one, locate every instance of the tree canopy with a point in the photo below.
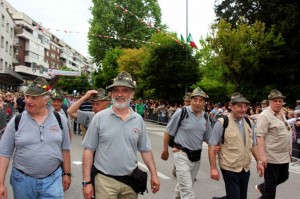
(116, 23)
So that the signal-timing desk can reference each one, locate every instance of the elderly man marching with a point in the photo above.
(115, 135)
(234, 133)
(193, 130)
(274, 138)
(39, 142)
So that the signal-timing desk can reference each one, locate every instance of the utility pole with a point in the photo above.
(186, 36)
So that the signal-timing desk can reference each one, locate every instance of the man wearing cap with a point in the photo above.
(39, 145)
(115, 135)
(57, 102)
(189, 136)
(186, 102)
(264, 104)
(236, 148)
(99, 102)
(274, 144)
(187, 99)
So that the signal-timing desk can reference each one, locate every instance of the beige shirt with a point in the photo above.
(277, 134)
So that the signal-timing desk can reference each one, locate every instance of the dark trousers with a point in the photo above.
(275, 174)
(236, 184)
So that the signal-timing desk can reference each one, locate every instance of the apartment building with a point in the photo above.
(32, 50)
(8, 77)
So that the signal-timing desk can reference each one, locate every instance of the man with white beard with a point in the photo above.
(115, 135)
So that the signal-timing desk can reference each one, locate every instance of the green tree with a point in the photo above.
(131, 61)
(282, 17)
(213, 81)
(240, 49)
(108, 69)
(110, 19)
(168, 68)
(69, 83)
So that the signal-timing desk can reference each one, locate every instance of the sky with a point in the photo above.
(73, 15)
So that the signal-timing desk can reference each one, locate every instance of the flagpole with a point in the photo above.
(186, 35)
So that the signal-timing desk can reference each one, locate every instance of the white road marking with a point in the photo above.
(158, 173)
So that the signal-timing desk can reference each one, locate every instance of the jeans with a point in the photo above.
(186, 172)
(275, 174)
(27, 187)
(236, 183)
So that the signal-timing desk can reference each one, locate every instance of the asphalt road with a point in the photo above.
(204, 187)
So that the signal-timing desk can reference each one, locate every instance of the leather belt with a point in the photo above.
(35, 177)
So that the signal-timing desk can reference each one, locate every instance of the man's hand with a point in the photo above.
(264, 160)
(260, 169)
(89, 94)
(88, 191)
(3, 191)
(66, 181)
(155, 184)
(165, 155)
(214, 174)
(216, 149)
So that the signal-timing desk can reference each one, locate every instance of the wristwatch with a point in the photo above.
(259, 162)
(84, 183)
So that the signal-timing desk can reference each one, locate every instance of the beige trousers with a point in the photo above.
(109, 188)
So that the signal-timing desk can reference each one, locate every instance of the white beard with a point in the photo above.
(120, 105)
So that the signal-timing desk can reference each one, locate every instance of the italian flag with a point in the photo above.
(182, 39)
(192, 43)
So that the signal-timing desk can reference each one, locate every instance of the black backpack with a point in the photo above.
(184, 114)
(225, 125)
(56, 114)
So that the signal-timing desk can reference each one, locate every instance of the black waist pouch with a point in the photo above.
(193, 156)
(137, 180)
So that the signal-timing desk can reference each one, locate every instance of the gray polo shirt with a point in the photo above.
(85, 117)
(192, 130)
(36, 157)
(116, 142)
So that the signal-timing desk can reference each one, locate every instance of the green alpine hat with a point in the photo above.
(56, 94)
(199, 92)
(123, 79)
(238, 98)
(275, 94)
(38, 87)
(100, 96)
(187, 96)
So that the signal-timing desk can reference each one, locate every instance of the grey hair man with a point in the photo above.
(39, 144)
(114, 137)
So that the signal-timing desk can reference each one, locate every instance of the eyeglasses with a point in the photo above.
(41, 133)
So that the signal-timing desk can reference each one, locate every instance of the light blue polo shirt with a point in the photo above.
(192, 130)
(116, 142)
(36, 157)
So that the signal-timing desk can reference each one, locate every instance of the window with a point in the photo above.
(2, 41)
(11, 32)
(10, 50)
(2, 20)
(1, 64)
(6, 46)
(7, 27)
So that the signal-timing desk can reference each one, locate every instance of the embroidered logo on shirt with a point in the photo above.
(136, 131)
(54, 129)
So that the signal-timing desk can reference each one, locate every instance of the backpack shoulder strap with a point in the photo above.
(66, 113)
(17, 121)
(183, 114)
(248, 121)
(56, 114)
(225, 125)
